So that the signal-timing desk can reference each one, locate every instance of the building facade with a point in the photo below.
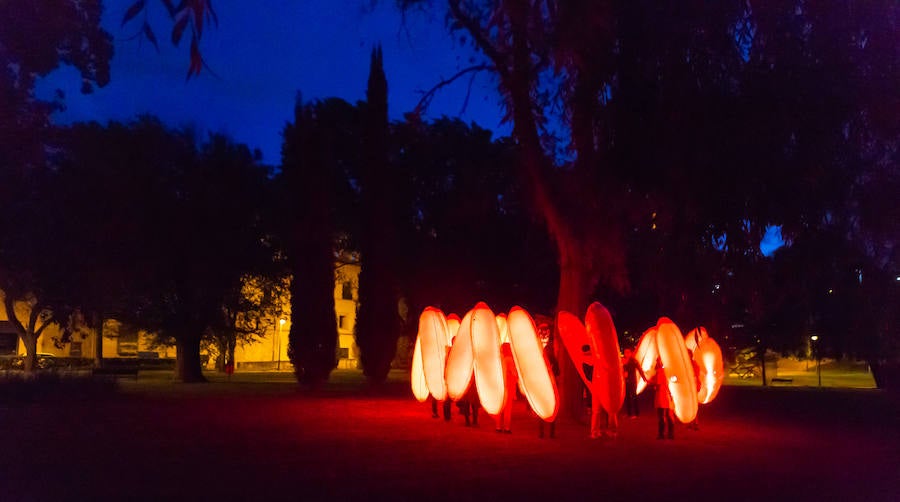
(268, 352)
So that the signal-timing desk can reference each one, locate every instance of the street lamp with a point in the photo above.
(815, 339)
(278, 338)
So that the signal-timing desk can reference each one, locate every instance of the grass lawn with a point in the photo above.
(256, 436)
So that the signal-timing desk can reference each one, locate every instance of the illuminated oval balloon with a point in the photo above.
(646, 354)
(692, 340)
(503, 328)
(678, 369)
(433, 336)
(489, 374)
(460, 361)
(535, 379)
(712, 369)
(417, 377)
(608, 382)
(574, 336)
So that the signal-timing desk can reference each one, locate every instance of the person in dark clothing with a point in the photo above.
(632, 369)
(553, 365)
(468, 406)
(663, 402)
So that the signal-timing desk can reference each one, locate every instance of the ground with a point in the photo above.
(255, 438)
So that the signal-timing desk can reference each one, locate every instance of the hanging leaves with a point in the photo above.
(148, 32)
(132, 11)
(178, 29)
(185, 14)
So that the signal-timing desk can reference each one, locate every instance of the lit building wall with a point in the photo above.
(267, 352)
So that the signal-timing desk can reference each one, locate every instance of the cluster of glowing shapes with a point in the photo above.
(665, 342)
(449, 352)
(598, 333)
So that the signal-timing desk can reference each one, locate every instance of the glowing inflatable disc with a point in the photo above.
(417, 377)
(712, 369)
(489, 374)
(574, 337)
(678, 369)
(646, 354)
(608, 382)
(535, 379)
(461, 361)
(433, 336)
(503, 328)
(452, 327)
(692, 340)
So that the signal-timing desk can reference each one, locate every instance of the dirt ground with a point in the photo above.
(348, 442)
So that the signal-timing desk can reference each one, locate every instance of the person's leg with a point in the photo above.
(434, 413)
(507, 416)
(631, 400)
(612, 424)
(670, 424)
(661, 425)
(447, 409)
(596, 409)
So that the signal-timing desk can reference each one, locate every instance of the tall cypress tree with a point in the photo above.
(307, 173)
(377, 323)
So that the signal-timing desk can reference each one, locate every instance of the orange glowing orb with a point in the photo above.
(608, 382)
(678, 369)
(461, 360)
(646, 354)
(489, 371)
(535, 379)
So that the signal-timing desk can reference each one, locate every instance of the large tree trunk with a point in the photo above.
(98, 345)
(187, 359)
(574, 291)
(575, 277)
(29, 339)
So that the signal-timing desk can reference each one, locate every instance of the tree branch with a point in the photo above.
(429, 95)
(481, 37)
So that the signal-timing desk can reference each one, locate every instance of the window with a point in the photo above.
(342, 322)
(347, 290)
(343, 353)
(75, 349)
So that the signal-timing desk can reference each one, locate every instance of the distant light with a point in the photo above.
(814, 337)
(897, 278)
(282, 321)
(830, 291)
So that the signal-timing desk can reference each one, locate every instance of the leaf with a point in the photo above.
(170, 7)
(132, 11)
(196, 59)
(148, 32)
(198, 19)
(178, 29)
(212, 13)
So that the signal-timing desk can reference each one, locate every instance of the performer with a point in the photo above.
(632, 369)
(511, 381)
(663, 402)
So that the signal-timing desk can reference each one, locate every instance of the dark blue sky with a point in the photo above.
(264, 55)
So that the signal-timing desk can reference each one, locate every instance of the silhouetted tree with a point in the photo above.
(377, 324)
(316, 148)
(36, 39)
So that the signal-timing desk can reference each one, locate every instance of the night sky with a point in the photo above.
(263, 56)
